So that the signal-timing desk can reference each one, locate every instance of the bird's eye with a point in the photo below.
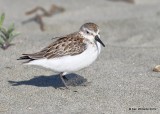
(87, 32)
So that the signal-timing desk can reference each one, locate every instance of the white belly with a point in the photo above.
(70, 63)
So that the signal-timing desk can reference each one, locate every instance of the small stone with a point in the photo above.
(156, 68)
(29, 108)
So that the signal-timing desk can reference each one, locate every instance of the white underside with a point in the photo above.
(70, 64)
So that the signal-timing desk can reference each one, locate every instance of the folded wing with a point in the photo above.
(72, 44)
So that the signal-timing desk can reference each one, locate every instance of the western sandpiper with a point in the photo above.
(69, 53)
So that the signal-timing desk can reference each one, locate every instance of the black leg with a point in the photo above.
(61, 76)
(65, 78)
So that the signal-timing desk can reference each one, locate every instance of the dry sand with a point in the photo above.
(121, 78)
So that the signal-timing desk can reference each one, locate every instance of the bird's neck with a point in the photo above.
(98, 46)
(92, 40)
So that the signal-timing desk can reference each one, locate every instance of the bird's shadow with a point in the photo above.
(53, 80)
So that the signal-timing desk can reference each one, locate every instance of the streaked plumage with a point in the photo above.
(72, 44)
(69, 53)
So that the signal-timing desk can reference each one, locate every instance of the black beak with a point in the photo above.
(98, 39)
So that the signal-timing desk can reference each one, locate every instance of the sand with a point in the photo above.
(120, 79)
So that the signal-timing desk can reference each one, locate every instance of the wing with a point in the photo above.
(72, 44)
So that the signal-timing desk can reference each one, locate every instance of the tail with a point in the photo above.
(26, 57)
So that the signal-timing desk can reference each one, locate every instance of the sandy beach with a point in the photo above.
(121, 79)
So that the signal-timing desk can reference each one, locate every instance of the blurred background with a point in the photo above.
(121, 78)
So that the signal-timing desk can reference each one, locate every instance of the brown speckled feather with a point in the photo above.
(72, 44)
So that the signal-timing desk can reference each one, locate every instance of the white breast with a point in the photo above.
(71, 63)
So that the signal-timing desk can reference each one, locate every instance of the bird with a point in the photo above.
(69, 53)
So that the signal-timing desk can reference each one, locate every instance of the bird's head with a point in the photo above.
(91, 32)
